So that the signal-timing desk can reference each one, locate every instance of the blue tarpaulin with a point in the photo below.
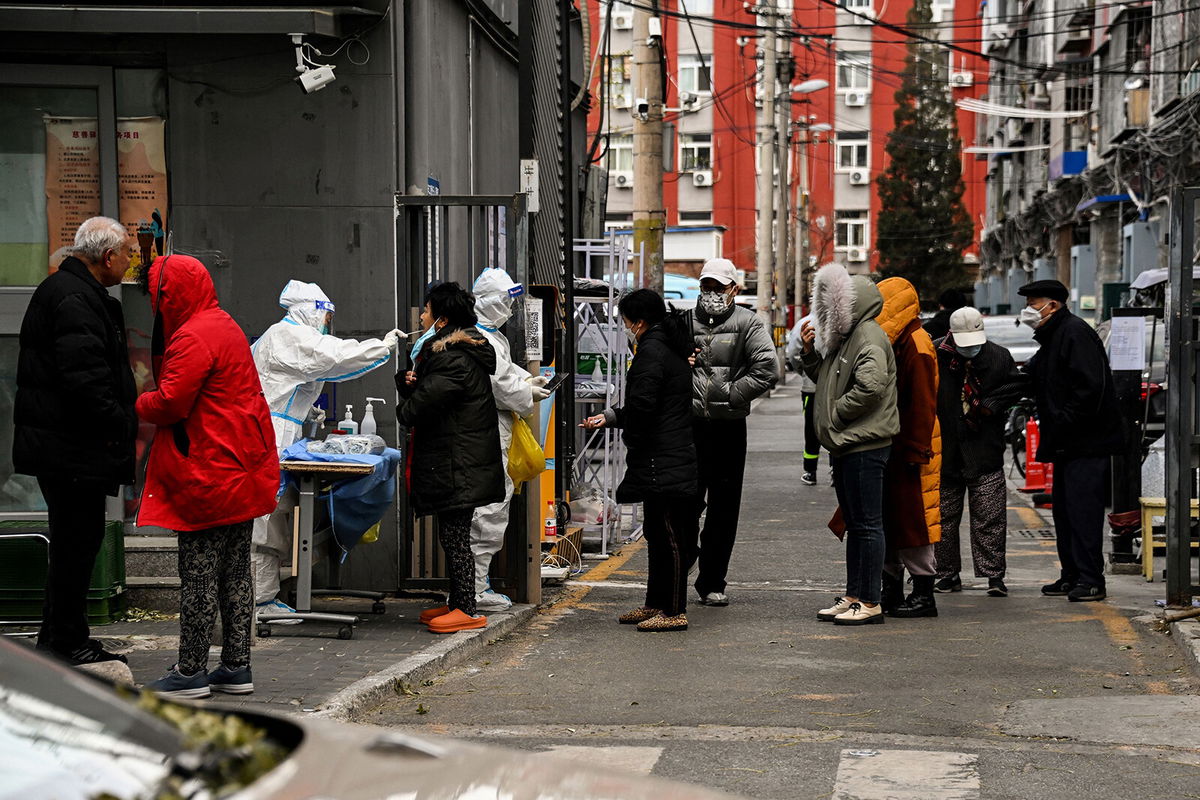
(354, 504)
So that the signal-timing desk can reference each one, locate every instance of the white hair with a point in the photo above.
(98, 235)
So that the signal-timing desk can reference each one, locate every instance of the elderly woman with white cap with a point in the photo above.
(978, 383)
(735, 364)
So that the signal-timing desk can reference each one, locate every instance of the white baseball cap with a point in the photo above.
(721, 270)
(966, 325)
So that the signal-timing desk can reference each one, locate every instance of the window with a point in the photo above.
(851, 228)
(619, 155)
(695, 216)
(619, 80)
(695, 151)
(697, 8)
(856, 5)
(692, 75)
(854, 71)
(853, 155)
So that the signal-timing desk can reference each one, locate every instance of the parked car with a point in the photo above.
(1007, 331)
(66, 735)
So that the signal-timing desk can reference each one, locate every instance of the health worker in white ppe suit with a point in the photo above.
(295, 357)
(515, 391)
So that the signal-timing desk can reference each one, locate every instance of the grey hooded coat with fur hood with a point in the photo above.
(853, 365)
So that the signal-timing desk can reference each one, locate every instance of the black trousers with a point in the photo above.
(812, 445)
(76, 512)
(669, 526)
(1079, 493)
(721, 457)
(454, 532)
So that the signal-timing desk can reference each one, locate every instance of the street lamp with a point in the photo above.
(810, 86)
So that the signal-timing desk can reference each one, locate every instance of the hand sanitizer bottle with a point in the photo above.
(368, 423)
(348, 424)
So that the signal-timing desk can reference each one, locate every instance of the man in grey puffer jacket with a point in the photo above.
(851, 359)
(735, 364)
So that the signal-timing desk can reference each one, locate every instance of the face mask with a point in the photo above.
(631, 336)
(1032, 316)
(715, 302)
(426, 336)
(968, 352)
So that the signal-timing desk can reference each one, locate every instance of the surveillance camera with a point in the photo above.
(641, 108)
(314, 80)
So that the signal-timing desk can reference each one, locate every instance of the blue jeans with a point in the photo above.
(858, 481)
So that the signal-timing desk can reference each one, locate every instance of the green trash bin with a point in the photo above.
(23, 573)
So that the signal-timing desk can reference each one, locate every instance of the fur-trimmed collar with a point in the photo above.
(455, 337)
(832, 307)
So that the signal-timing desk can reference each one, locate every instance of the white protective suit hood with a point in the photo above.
(495, 293)
(305, 303)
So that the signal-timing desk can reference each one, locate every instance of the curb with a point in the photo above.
(1187, 635)
(453, 650)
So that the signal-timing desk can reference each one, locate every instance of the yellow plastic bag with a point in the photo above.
(525, 457)
(372, 535)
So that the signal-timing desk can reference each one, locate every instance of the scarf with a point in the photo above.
(973, 410)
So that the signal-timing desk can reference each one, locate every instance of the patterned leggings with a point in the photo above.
(454, 531)
(989, 526)
(214, 571)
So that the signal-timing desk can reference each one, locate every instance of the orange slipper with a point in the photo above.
(431, 613)
(456, 621)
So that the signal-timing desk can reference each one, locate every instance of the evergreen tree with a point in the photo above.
(923, 225)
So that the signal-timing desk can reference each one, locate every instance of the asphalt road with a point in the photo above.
(1020, 697)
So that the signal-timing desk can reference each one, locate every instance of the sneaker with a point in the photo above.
(840, 606)
(231, 681)
(432, 613)
(714, 599)
(276, 606)
(809, 479)
(455, 621)
(661, 624)
(176, 685)
(1060, 588)
(915, 605)
(996, 588)
(859, 614)
(1086, 594)
(951, 583)
(90, 653)
(638, 615)
(491, 600)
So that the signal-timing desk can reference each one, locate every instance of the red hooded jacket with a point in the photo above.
(213, 460)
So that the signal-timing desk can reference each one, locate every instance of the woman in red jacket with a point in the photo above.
(212, 470)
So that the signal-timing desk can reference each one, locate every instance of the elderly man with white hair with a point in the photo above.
(75, 424)
(735, 364)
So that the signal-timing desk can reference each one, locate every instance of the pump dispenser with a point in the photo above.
(368, 423)
(348, 425)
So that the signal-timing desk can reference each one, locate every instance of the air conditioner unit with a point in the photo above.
(702, 177)
(622, 101)
(860, 177)
(961, 80)
(856, 254)
(622, 21)
(856, 99)
(622, 180)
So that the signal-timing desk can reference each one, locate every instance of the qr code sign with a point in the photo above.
(533, 329)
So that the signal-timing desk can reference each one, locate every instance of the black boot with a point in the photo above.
(920, 603)
(892, 595)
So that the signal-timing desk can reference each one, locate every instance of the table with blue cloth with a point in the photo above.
(360, 490)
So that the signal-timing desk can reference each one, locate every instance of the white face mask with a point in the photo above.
(1032, 316)
(715, 302)
(631, 336)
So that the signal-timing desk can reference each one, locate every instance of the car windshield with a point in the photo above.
(1008, 332)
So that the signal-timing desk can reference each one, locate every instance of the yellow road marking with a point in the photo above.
(1030, 517)
(601, 572)
(1121, 631)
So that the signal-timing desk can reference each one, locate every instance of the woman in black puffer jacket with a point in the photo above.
(660, 467)
(446, 400)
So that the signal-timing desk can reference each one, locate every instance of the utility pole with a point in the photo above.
(801, 218)
(783, 112)
(649, 216)
(766, 165)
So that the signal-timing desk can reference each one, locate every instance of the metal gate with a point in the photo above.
(1183, 443)
(454, 238)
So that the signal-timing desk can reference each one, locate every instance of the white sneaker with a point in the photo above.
(840, 606)
(858, 614)
(491, 600)
(715, 599)
(276, 606)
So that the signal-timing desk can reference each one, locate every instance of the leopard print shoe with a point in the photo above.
(663, 623)
(638, 615)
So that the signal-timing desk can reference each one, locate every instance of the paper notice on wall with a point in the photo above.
(73, 180)
(1127, 344)
(533, 329)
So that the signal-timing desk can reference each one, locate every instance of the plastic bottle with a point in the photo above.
(348, 424)
(368, 424)
(551, 531)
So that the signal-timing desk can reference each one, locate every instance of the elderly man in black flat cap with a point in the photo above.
(1080, 429)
